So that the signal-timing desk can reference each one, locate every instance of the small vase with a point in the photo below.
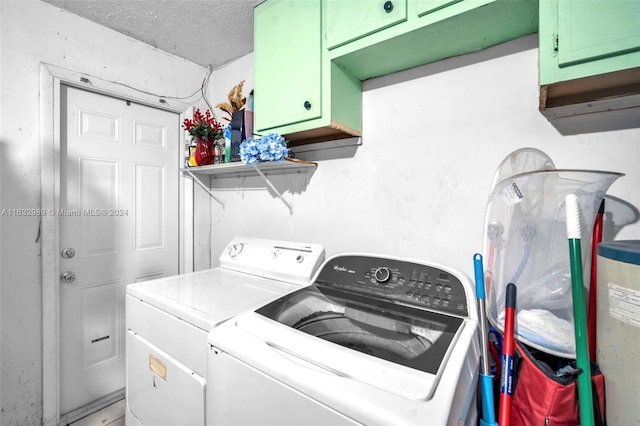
(205, 152)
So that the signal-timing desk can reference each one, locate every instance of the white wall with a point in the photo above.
(35, 32)
(418, 185)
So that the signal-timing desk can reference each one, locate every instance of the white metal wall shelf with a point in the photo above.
(238, 169)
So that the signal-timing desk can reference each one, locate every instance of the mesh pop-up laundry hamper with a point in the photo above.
(526, 244)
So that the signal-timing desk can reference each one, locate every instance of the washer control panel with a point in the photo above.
(281, 260)
(420, 284)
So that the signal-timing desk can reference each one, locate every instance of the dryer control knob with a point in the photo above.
(382, 274)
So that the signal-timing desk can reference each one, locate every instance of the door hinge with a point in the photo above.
(555, 44)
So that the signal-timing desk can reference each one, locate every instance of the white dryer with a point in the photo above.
(375, 340)
(168, 319)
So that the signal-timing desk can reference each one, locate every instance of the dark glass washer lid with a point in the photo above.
(412, 337)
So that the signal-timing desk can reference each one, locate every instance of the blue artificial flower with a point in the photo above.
(270, 147)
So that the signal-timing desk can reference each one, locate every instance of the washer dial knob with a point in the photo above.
(382, 274)
(235, 249)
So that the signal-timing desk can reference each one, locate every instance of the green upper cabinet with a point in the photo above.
(589, 51)
(288, 53)
(348, 20)
(433, 30)
(299, 93)
(311, 56)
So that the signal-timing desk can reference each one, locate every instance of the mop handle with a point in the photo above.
(585, 394)
(480, 296)
(506, 382)
(593, 283)
(486, 379)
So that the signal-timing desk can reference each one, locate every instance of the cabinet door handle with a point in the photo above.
(388, 6)
(307, 105)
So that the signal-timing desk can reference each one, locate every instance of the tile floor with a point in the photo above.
(113, 415)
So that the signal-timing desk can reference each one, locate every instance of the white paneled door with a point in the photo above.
(118, 224)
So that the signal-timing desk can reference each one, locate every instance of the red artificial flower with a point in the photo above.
(203, 125)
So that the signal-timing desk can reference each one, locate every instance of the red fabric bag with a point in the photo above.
(541, 398)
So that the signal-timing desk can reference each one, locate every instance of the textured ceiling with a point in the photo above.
(207, 32)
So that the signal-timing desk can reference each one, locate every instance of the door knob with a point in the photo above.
(307, 105)
(388, 6)
(68, 253)
(67, 277)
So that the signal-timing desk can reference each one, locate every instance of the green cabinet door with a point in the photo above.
(589, 55)
(287, 58)
(585, 38)
(589, 30)
(348, 20)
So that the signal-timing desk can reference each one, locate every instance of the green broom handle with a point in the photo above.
(585, 396)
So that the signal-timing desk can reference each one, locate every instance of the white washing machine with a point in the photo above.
(375, 340)
(168, 320)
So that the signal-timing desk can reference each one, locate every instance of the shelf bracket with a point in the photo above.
(273, 188)
(202, 185)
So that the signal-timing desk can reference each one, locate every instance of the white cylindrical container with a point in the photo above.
(618, 329)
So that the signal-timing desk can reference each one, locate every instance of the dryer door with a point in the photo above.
(161, 390)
